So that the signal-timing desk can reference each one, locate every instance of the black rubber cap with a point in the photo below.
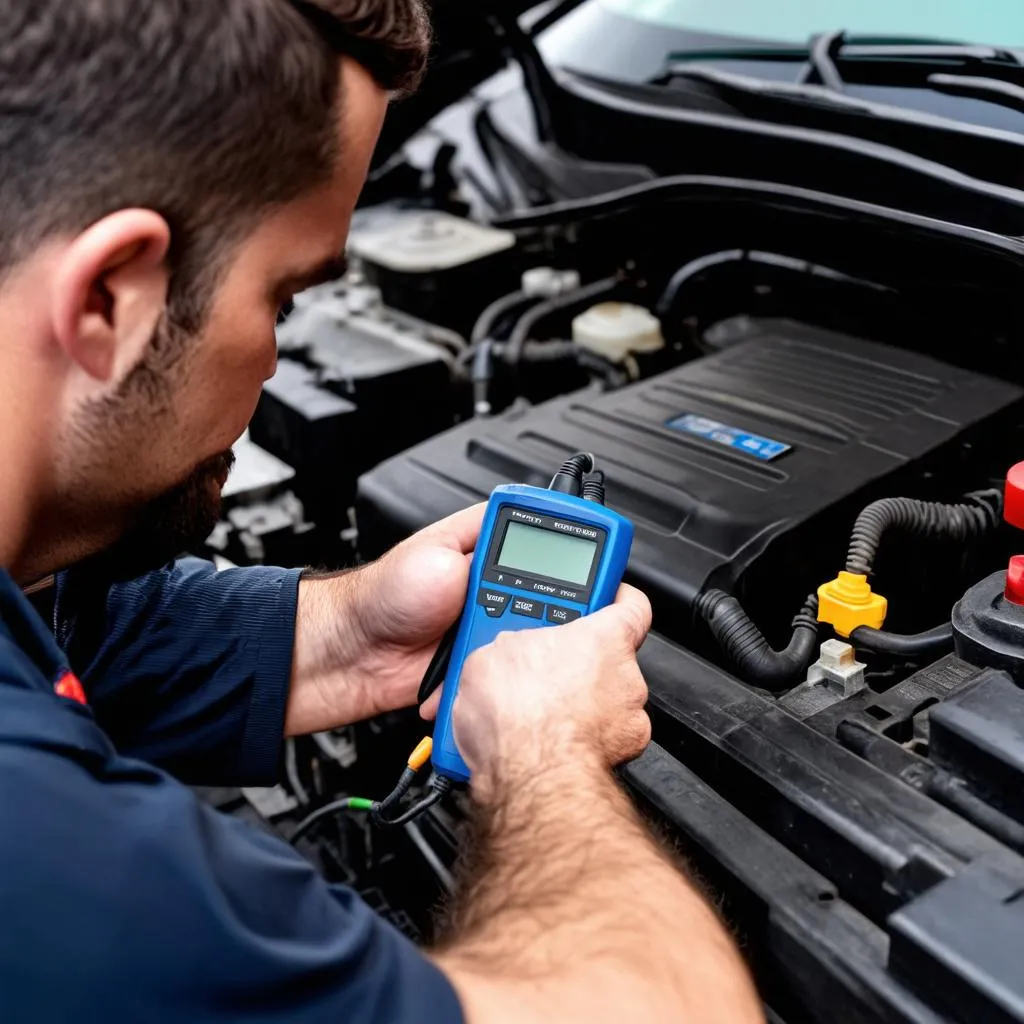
(988, 630)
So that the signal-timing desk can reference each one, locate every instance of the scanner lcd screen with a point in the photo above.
(540, 552)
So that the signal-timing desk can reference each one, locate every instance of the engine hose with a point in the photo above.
(480, 375)
(562, 303)
(681, 280)
(743, 643)
(612, 375)
(543, 351)
(978, 515)
(492, 316)
(535, 352)
(931, 644)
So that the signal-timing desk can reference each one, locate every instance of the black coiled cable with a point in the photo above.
(745, 645)
(978, 515)
(593, 487)
(569, 479)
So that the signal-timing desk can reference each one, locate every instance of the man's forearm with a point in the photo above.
(365, 637)
(339, 674)
(323, 686)
(342, 671)
(572, 912)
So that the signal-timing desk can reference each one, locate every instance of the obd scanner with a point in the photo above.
(544, 558)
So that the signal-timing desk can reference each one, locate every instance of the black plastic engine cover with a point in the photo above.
(857, 420)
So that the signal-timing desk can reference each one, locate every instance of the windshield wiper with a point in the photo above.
(835, 61)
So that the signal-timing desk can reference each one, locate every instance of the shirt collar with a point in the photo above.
(21, 625)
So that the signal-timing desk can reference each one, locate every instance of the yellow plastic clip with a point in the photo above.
(421, 755)
(848, 602)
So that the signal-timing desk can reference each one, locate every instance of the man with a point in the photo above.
(170, 174)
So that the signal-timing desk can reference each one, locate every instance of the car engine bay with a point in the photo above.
(808, 402)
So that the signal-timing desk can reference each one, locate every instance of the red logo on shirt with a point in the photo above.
(69, 686)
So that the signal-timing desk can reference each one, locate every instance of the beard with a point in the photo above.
(172, 524)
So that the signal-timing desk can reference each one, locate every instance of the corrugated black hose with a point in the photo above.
(978, 515)
(744, 645)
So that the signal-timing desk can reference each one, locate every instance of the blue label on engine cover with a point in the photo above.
(732, 437)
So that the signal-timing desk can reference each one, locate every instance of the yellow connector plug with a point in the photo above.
(848, 602)
(421, 755)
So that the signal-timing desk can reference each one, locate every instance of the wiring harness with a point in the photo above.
(978, 515)
(848, 603)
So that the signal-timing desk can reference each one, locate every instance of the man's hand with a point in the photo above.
(561, 695)
(365, 638)
(566, 909)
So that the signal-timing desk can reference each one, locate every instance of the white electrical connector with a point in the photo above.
(838, 666)
(547, 282)
(834, 676)
(617, 330)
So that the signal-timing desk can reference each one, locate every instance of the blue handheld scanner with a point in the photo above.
(544, 558)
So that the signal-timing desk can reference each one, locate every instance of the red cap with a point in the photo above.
(1015, 580)
(1013, 508)
(1013, 513)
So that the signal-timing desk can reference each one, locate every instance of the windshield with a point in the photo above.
(997, 22)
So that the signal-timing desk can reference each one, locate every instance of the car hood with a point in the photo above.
(466, 50)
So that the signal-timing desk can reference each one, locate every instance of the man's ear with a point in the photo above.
(110, 291)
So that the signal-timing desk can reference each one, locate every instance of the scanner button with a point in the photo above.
(558, 615)
(493, 602)
(524, 606)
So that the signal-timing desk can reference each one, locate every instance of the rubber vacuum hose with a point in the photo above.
(932, 644)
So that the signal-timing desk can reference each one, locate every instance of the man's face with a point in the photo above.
(159, 447)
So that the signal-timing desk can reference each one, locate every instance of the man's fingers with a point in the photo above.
(629, 619)
(459, 531)
(642, 731)
(638, 692)
(428, 710)
(634, 611)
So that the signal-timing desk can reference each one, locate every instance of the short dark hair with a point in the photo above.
(208, 111)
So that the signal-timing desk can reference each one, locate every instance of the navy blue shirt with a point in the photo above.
(122, 896)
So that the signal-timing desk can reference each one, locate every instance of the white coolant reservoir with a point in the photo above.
(422, 242)
(617, 330)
